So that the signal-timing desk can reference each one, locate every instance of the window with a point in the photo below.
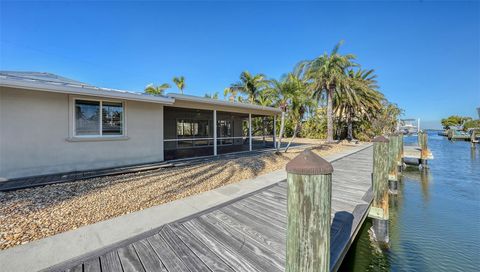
(87, 117)
(191, 129)
(112, 114)
(224, 130)
(202, 129)
(89, 121)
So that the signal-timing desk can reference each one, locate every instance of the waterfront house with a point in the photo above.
(52, 124)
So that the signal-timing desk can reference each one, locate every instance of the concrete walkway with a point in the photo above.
(44, 253)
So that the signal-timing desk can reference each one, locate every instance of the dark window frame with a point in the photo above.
(195, 129)
(231, 139)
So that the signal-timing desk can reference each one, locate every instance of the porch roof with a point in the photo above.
(190, 101)
(48, 82)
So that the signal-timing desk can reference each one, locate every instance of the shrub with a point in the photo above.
(471, 124)
(314, 128)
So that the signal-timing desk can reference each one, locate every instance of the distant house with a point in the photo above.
(51, 124)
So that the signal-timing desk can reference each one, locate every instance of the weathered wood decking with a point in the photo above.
(247, 234)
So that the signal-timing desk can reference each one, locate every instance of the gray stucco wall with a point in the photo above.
(35, 127)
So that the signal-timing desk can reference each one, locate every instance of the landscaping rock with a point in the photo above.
(35, 213)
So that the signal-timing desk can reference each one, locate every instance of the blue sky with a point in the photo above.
(426, 54)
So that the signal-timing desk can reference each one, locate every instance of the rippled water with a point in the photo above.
(434, 219)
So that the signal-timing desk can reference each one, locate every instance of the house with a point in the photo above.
(52, 124)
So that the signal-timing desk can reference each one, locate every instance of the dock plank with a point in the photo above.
(110, 262)
(278, 212)
(169, 258)
(276, 243)
(149, 259)
(248, 234)
(214, 262)
(261, 258)
(129, 259)
(189, 258)
(92, 265)
(267, 254)
(229, 255)
(76, 268)
(251, 218)
(261, 212)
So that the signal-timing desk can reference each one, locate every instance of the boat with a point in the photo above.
(474, 137)
(409, 126)
(443, 133)
(456, 133)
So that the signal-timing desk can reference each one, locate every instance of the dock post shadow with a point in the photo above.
(341, 229)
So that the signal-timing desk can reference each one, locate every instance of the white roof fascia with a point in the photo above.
(89, 91)
(210, 101)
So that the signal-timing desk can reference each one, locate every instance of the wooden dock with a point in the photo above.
(415, 152)
(247, 234)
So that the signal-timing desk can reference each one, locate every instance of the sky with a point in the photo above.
(426, 53)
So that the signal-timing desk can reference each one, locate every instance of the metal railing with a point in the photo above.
(221, 141)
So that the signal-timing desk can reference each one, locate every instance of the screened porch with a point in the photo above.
(199, 132)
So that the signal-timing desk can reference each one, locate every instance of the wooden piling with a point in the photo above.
(400, 153)
(450, 134)
(473, 138)
(309, 200)
(423, 143)
(393, 152)
(379, 209)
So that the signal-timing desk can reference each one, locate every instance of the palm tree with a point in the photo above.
(180, 82)
(282, 94)
(156, 90)
(385, 120)
(284, 91)
(250, 85)
(296, 114)
(298, 106)
(231, 93)
(264, 98)
(360, 99)
(212, 96)
(327, 73)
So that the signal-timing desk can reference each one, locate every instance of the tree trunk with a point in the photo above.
(293, 137)
(264, 121)
(350, 130)
(282, 125)
(330, 114)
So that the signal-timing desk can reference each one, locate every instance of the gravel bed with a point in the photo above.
(31, 214)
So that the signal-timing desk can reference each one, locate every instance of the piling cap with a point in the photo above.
(309, 163)
(380, 139)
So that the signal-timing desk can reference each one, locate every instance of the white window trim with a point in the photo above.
(72, 137)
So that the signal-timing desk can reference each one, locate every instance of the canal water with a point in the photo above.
(434, 219)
